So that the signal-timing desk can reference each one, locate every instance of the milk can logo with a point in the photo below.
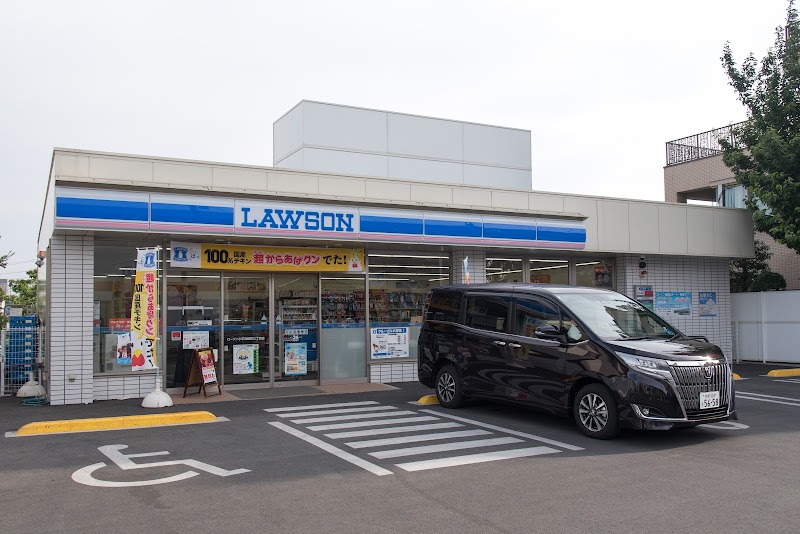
(149, 260)
(180, 254)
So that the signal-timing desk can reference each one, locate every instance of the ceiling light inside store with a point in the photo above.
(587, 263)
(410, 266)
(551, 267)
(404, 256)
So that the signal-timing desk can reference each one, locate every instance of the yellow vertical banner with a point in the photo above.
(144, 311)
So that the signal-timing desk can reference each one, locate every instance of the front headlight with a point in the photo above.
(651, 366)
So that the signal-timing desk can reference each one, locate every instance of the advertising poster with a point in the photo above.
(207, 366)
(245, 359)
(389, 343)
(120, 323)
(195, 340)
(295, 359)
(124, 347)
(708, 303)
(144, 311)
(251, 258)
(674, 303)
(645, 296)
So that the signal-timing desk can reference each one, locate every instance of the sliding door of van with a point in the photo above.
(485, 342)
(536, 365)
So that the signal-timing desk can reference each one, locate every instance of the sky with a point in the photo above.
(602, 86)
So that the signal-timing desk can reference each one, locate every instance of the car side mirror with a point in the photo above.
(548, 331)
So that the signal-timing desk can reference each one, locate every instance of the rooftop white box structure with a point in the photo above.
(315, 136)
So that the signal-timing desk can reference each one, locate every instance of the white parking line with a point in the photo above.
(475, 458)
(790, 381)
(444, 447)
(766, 396)
(392, 430)
(416, 438)
(315, 406)
(342, 410)
(350, 417)
(360, 424)
(344, 455)
(508, 431)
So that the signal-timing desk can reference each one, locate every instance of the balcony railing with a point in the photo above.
(699, 146)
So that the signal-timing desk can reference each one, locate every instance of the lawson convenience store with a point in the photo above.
(299, 278)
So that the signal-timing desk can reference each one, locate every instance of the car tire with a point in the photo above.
(449, 390)
(595, 412)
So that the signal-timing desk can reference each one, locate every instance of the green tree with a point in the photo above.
(765, 153)
(745, 272)
(24, 290)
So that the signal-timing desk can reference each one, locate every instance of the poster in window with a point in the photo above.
(124, 348)
(389, 343)
(708, 303)
(295, 359)
(195, 340)
(245, 359)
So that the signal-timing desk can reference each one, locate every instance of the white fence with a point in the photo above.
(766, 326)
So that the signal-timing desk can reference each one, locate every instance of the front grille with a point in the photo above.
(691, 381)
(699, 415)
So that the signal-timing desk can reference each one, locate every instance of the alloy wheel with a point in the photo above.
(593, 412)
(446, 387)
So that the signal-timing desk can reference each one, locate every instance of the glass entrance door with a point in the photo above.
(296, 301)
(246, 314)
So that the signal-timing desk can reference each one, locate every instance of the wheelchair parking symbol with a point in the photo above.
(85, 475)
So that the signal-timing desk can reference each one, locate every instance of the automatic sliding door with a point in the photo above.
(296, 298)
(246, 328)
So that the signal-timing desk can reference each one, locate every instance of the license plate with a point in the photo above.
(709, 399)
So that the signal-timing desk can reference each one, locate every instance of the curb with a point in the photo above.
(428, 399)
(112, 423)
(784, 372)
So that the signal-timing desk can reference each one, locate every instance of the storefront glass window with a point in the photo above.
(503, 270)
(114, 275)
(342, 338)
(193, 320)
(598, 273)
(549, 271)
(398, 283)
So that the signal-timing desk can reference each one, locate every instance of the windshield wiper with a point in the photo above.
(634, 338)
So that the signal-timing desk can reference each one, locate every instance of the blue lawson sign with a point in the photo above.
(202, 215)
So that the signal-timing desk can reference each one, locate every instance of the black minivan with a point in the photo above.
(594, 354)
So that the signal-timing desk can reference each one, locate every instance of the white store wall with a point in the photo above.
(316, 136)
(685, 273)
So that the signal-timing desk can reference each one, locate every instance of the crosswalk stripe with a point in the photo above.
(767, 396)
(415, 438)
(507, 431)
(747, 397)
(353, 459)
(341, 410)
(475, 458)
(358, 424)
(392, 430)
(444, 447)
(350, 417)
(315, 406)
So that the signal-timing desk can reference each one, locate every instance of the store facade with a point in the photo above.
(298, 278)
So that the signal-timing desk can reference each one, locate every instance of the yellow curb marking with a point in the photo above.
(109, 423)
(428, 399)
(784, 372)
(736, 376)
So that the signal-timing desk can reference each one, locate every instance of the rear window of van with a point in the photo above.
(444, 306)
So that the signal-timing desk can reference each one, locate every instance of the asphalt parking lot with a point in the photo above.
(373, 462)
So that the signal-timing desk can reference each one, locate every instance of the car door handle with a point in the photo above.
(514, 345)
(499, 343)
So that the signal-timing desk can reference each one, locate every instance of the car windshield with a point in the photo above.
(613, 316)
